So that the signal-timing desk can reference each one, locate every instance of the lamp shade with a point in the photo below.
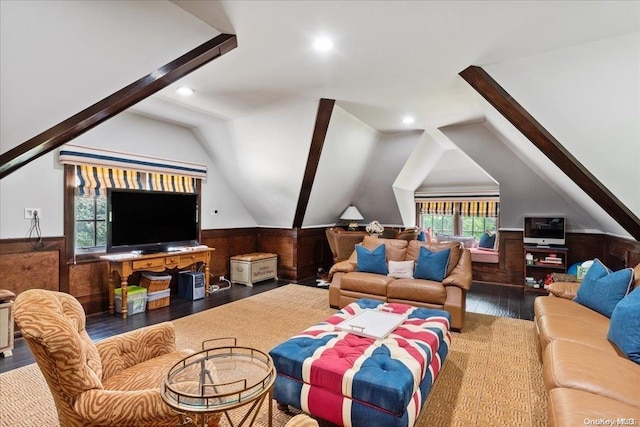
(351, 214)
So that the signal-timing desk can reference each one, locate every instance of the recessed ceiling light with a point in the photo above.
(408, 120)
(183, 90)
(323, 44)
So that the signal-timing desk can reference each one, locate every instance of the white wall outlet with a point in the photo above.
(31, 212)
(214, 212)
(221, 278)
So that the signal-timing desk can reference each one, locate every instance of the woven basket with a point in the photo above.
(162, 302)
(158, 299)
(155, 282)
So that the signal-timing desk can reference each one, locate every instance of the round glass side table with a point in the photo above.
(210, 383)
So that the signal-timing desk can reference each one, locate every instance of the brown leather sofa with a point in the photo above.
(587, 377)
(342, 242)
(348, 285)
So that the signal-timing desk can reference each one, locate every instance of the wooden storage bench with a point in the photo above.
(255, 267)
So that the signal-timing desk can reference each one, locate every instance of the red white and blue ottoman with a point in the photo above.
(352, 380)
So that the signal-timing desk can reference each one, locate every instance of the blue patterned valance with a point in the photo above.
(77, 155)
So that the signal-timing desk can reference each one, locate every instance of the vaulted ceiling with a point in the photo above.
(391, 59)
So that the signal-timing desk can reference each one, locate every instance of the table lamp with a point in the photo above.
(353, 215)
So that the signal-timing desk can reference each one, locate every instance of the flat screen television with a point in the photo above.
(150, 221)
(544, 231)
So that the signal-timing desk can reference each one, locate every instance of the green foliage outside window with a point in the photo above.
(476, 225)
(470, 225)
(91, 222)
(439, 224)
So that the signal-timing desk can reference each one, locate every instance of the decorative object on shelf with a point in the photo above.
(529, 258)
(353, 215)
(374, 228)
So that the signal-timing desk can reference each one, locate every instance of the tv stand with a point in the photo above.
(157, 262)
(540, 261)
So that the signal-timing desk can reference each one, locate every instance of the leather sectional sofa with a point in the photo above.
(348, 284)
(589, 379)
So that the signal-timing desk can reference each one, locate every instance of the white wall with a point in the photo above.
(40, 183)
(348, 146)
(264, 158)
(58, 58)
(587, 97)
(375, 196)
(522, 191)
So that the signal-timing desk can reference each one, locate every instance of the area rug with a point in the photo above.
(491, 376)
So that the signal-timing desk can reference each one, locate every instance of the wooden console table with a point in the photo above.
(127, 264)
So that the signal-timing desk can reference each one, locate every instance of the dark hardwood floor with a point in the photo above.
(502, 301)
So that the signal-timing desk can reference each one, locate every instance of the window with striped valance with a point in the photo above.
(97, 170)
(437, 208)
(480, 208)
(95, 180)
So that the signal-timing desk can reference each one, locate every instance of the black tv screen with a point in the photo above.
(544, 231)
(150, 221)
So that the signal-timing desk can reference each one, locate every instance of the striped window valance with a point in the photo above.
(173, 183)
(479, 208)
(95, 180)
(485, 207)
(76, 155)
(437, 208)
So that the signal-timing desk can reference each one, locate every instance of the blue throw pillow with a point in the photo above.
(432, 265)
(371, 261)
(422, 237)
(486, 241)
(602, 289)
(624, 328)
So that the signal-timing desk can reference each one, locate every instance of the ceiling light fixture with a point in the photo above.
(408, 120)
(183, 90)
(323, 44)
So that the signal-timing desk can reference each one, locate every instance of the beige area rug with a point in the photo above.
(491, 376)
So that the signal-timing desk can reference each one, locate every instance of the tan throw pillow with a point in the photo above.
(401, 269)
(395, 249)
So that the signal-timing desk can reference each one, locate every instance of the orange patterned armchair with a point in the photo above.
(115, 382)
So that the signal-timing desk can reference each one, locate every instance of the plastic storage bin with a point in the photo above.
(136, 300)
(158, 299)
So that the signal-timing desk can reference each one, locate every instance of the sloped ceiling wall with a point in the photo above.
(522, 191)
(45, 43)
(264, 157)
(587, 97)
(375, 196)
(347, 148)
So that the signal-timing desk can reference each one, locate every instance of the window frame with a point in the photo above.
(70, 218)
(458, 218)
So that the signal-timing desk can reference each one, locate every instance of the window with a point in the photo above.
(439, 224)
(89, 172)
(90, 223)
(459, 218)
(476, 225)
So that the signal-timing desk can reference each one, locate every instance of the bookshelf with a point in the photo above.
(541, 261)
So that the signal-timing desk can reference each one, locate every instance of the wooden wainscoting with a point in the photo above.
(614, 252)
(301, 251)
(510, 267)
(228, 242)
(24, 265)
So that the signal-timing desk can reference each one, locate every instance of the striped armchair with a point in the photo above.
(115, 382)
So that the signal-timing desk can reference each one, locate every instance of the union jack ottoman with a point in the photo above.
(352, 380)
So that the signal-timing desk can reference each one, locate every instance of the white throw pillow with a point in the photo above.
(401, 269)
